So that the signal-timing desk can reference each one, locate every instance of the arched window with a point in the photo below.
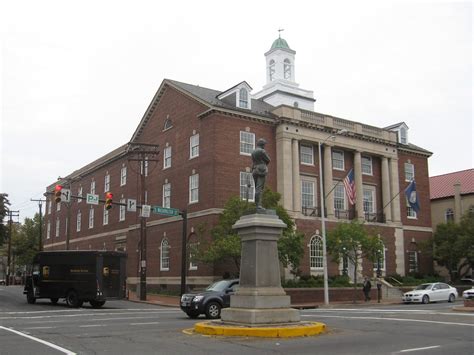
(316, 252)
(165, 255)
(287, 69)
(243, 98)
(271, 70)
(449, 215)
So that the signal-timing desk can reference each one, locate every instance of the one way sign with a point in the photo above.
(131, 205)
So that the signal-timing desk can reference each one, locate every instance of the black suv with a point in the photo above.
(210, 301)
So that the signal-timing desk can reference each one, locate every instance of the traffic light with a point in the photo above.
(57, 193)
(108, 200)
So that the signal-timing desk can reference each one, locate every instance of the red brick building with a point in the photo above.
(205, 138)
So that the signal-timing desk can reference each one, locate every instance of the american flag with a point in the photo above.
(349, 184)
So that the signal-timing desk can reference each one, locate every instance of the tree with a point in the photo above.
(353, 242)
(25, 241)
(225, 243)
(454, 246)
(4, 203)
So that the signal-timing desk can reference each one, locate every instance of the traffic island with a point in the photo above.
(300, 329)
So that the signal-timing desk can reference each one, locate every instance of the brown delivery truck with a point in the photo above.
(78, 276)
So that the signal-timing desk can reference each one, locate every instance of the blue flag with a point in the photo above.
(412, 196)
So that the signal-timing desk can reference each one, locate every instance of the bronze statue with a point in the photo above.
(260, 160)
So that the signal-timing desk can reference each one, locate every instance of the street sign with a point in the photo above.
(146, 210)
(65, 195)
(92, 199)
(131, 205)
(165, 211)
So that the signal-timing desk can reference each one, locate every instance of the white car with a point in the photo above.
(432, 292)
(468, 294)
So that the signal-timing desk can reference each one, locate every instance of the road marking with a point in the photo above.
(419, 349)
(40, 328)
(392, 319)
(91, 325)
(144, 323)
(85, 315)
(51, 345)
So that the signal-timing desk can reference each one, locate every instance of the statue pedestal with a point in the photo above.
(260, 299)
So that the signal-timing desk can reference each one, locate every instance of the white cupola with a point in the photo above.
(281, 87)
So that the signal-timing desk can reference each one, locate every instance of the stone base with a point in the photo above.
(258, 317)
(260, 302)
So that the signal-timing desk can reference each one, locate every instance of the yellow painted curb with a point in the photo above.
(290, 331)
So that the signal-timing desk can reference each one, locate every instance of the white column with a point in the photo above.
(328, 181)
(296, 177)
(359, 205)
(395, 190)
(284, 173)
(386, 190)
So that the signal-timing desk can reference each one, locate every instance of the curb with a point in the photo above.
(290, 331)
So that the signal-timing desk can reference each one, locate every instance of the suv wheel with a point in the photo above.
(213, 310)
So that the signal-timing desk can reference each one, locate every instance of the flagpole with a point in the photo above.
(394, 197)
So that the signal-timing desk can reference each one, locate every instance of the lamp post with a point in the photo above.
(344, 261)
(323, 217)
(379, 274)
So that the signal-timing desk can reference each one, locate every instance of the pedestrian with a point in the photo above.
(366, 286)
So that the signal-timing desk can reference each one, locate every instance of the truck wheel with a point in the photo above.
(72, 299)
(30, 298)
(54, 300)
(97, 304)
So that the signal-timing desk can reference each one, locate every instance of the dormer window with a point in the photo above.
(271, 70)
(403, 135)
(243, 98)
(287, 69)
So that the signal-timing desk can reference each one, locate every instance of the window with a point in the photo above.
(49, 206)
(409, 172)
(338, 159)
(287, 69)
(123, 176)
(48, 230)
(106, 216)
(449, 215)
(316, 253)
(194, 188)
(412, 262)
(58, 206)
(167, 195)
(369, 199)
(107, 183)
(246, 179)
(78, 221)
(167, 158)
(57, 227)
(411, 213)
(271, 70)
(307, 193)
(165, 255)
(247, 142)
(168, 124)
(122, 211)
(194, 146)
(79, 194)
(144, 167)
(306, 154)
(243, 98)
(339, 197)
(403, 135)
(366, 165)
(192, 252)
(93, 187)
(91, 218)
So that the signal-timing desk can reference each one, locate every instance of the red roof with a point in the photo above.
(443, 185)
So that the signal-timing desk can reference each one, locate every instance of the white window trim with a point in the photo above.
(413, 215)
(91, 218)
(164, 196)
(374, 197)
(79, 194)
(315, 268)
(313, 182)
(105, 217)
(371, 165)
(164, 268)
(58, 226)
(107, 183)
(192, 266)
(241, 141)
(310, 146)
(332, 160)
(412, 171)
(48, 230)
(193, 144)
(123, 176)
(344, 194)
(78, 221)
(122, 210)
(191, 189)
(167, 155)
(92, 187)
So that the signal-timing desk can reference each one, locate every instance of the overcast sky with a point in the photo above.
(76, 77)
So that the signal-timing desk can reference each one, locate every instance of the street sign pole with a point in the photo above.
(184, 253)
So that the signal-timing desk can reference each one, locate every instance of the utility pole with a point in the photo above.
(40, 206)
(143, 154)
(10, 233)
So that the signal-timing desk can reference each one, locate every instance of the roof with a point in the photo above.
(443, 185)
(280, 43)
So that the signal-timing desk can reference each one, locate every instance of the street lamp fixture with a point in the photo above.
(323, 217)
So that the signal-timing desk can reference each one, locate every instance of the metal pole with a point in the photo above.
(184, 253)
(323, 229)
(143, 250)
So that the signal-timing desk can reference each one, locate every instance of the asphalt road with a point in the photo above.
(123, 327)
